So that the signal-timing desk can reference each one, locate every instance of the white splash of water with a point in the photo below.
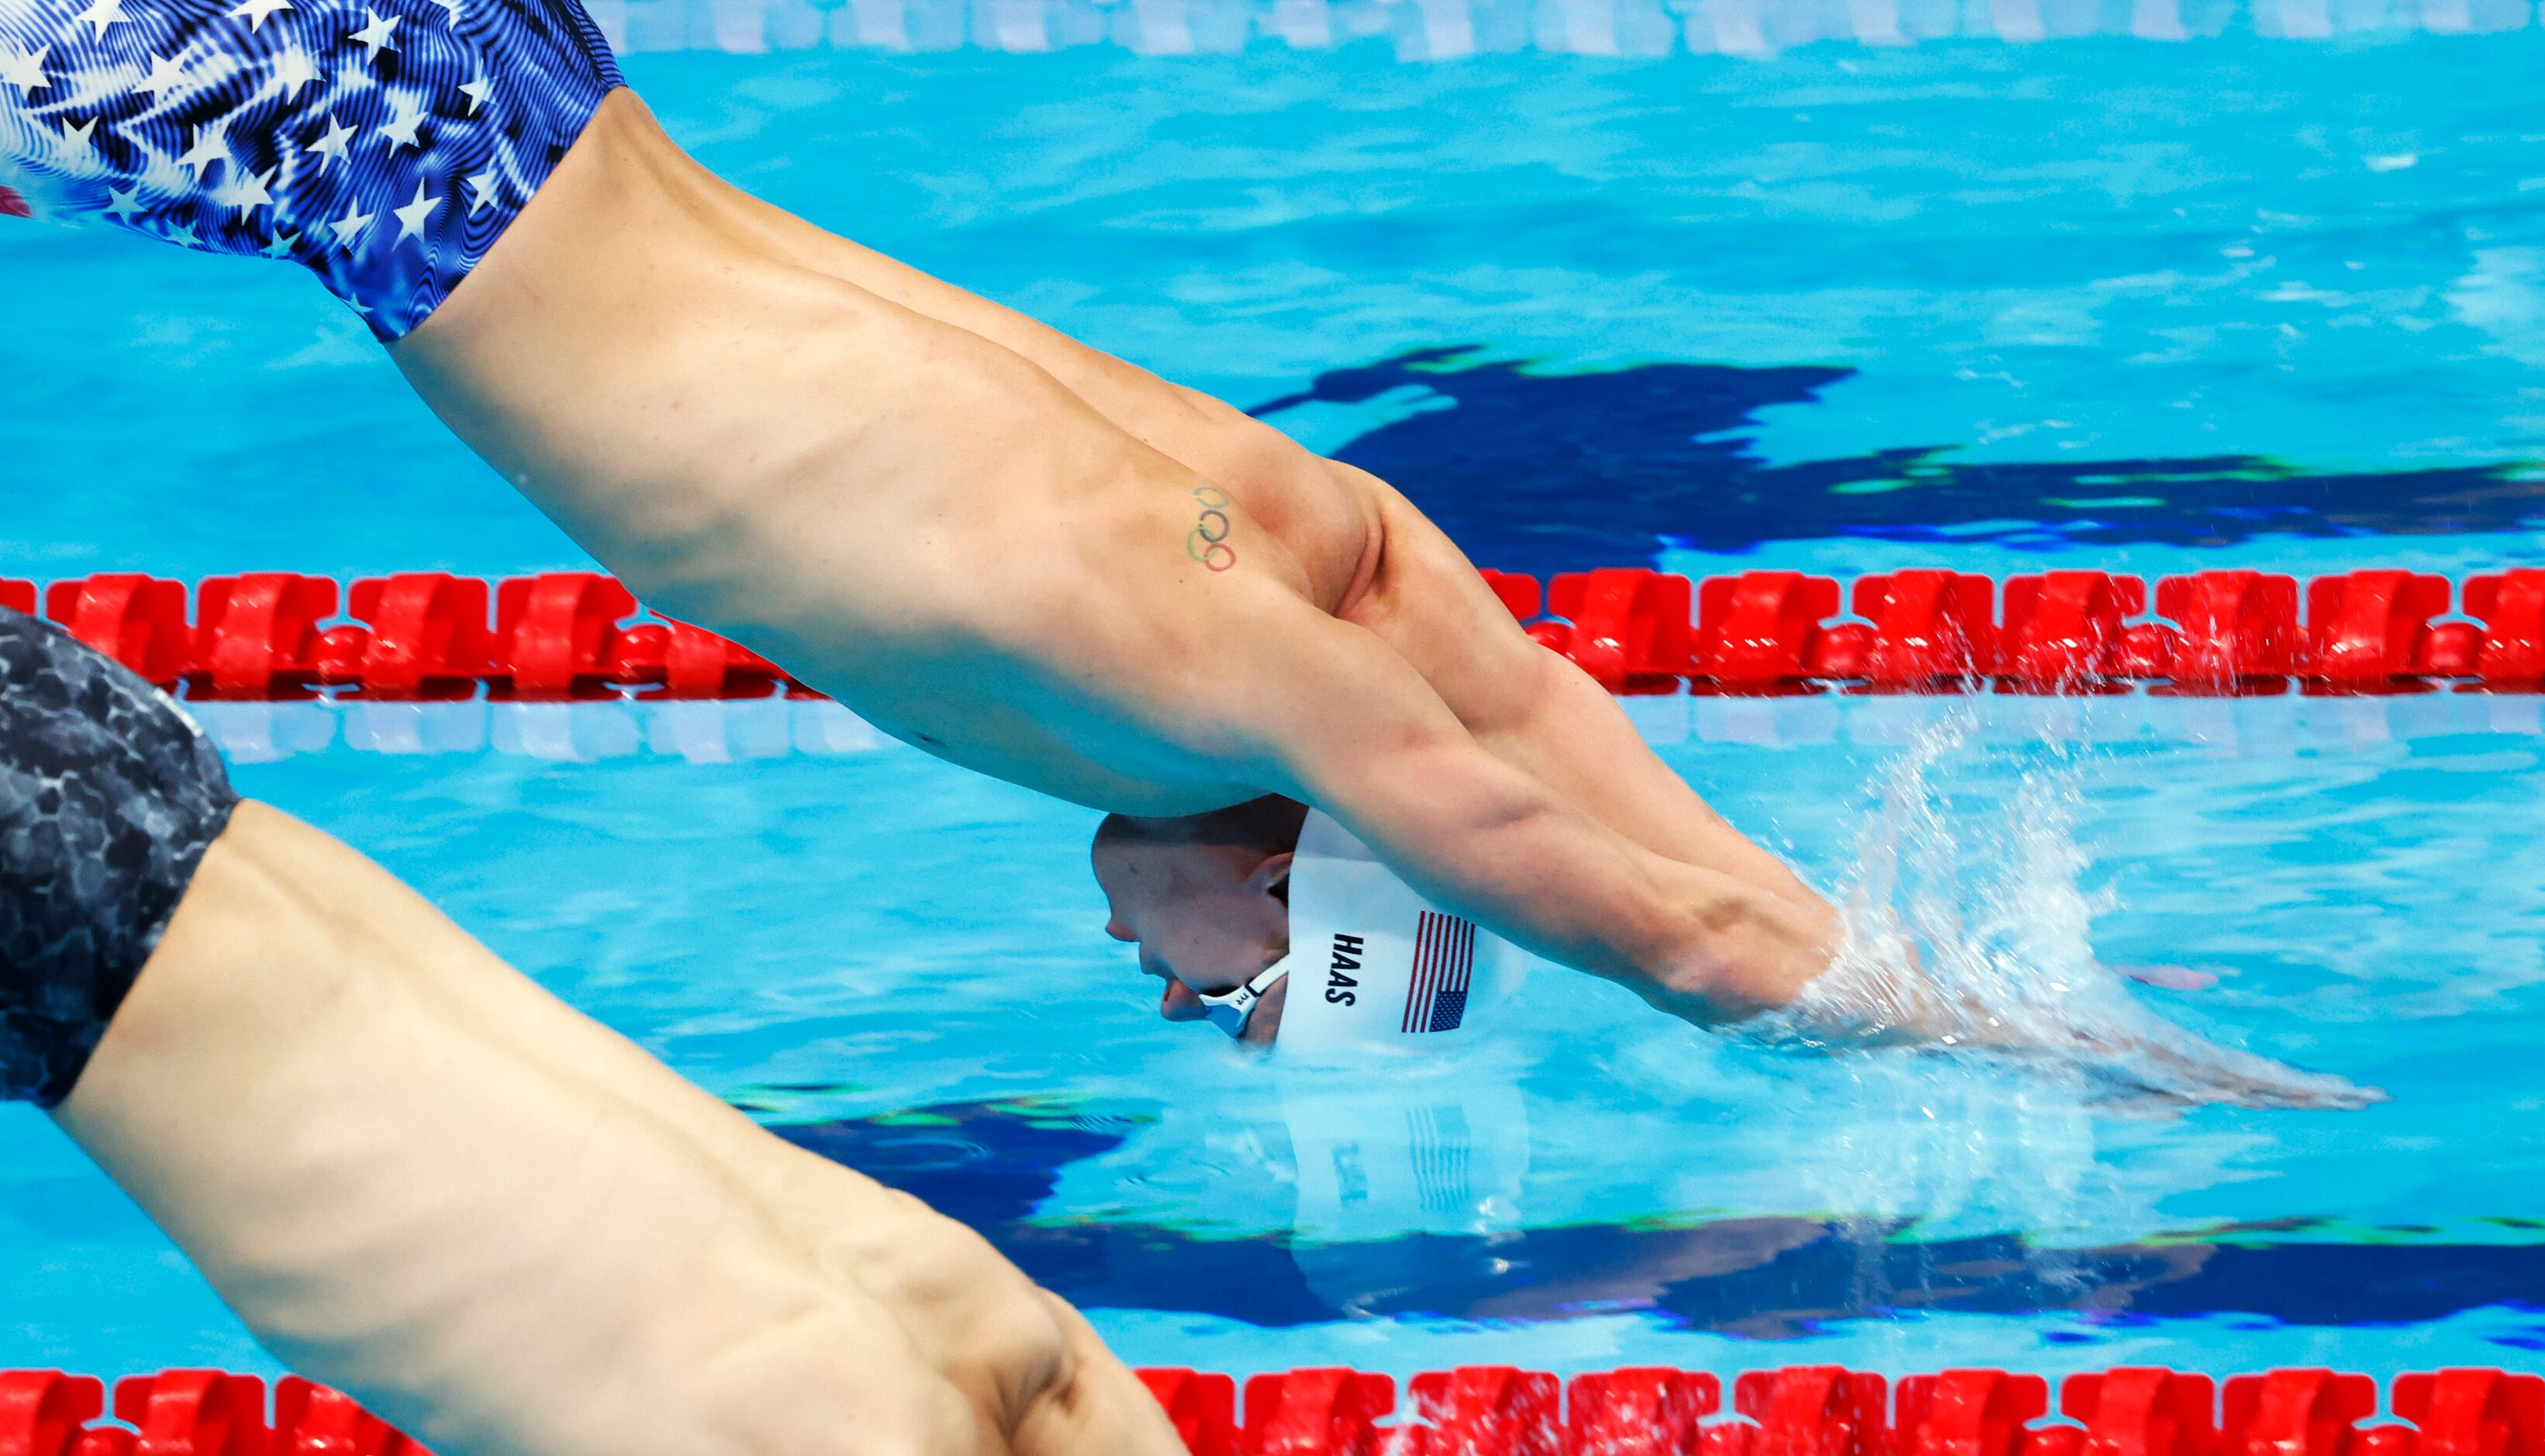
(1971, 935)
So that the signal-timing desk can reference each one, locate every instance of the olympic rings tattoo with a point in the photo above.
(1208, 541)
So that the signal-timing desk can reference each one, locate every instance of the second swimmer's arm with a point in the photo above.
(421, 1178)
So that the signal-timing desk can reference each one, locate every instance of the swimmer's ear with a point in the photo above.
(1272, 877)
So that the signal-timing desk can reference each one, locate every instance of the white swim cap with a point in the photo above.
(1374, 965)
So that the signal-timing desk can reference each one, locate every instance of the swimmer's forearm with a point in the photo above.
(1481, 836)
(1694, 942)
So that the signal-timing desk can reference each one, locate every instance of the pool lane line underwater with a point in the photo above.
(992, 1167)
(1504, 1411)
(1547, 472)
(579, 636)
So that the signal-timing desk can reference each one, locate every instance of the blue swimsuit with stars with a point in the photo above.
(382, 144)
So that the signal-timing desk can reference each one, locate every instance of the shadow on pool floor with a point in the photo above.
(990, 1164)
(1545, 472)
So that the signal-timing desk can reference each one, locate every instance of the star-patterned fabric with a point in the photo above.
(382, 144)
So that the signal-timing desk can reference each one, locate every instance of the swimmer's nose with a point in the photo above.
(1180, 1004)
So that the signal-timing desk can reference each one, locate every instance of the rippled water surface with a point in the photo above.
(2235, 293)
(899, 965)
(2101, 302)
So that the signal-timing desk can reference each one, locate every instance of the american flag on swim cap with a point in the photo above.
(1444, 965)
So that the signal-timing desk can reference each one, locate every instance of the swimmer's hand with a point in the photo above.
(1740, 951)
(2170, 978)
(2181, 1070)
(2085, 1023)
(1034, 1376)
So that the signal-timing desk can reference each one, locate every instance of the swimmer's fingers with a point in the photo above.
(2168, 978)
(2197, 1071)
(2129, 1095)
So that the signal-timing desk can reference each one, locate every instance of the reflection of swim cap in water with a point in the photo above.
(1410, 1154)
(1373, 965)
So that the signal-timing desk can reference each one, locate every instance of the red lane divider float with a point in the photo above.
(1761, 631)
(1924, 632)
(566, 636)
(1638, 1409)
(1503, 1411)
(2213, 633)
(2142, 1413)
(2233, 629)
(426, 638)
(2512, 608)
(418, 636)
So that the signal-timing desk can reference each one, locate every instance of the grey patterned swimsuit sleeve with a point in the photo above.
(108, 798)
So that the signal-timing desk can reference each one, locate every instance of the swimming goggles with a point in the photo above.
(1230, 1010)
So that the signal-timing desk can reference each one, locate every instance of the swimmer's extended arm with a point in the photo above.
(1331, 714)
(1474, 832)
(423, 1179)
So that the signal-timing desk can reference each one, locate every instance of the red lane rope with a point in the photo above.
(1502, 1411)
(569, 635)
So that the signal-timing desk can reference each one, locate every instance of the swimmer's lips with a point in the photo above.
(14, 205)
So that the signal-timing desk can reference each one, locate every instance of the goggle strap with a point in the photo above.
(1230, 1010)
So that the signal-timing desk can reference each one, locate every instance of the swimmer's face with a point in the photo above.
(1205, 917)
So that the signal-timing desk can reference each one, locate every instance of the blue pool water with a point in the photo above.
(2241, 300)
(900, 964)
